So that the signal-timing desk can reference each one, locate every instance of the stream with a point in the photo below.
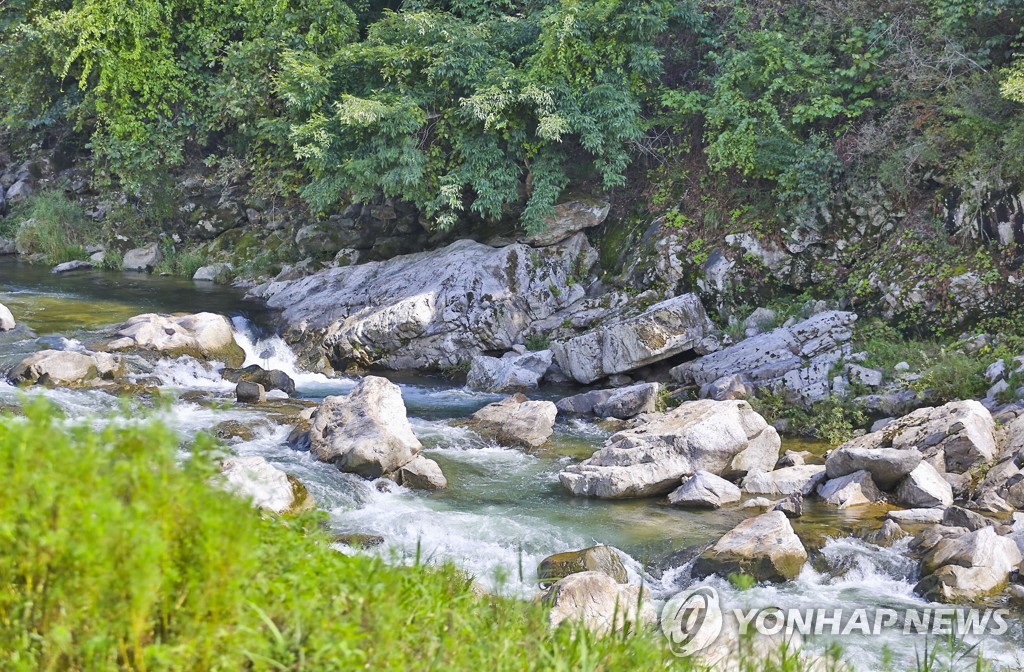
(504, 509)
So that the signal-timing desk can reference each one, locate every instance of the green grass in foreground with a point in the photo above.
(114, 556)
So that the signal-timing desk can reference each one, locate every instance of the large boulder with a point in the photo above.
(142, 258)
(704, 490)
(953, 438)
(219, 273)
(968, 567)
(6, 318)
(365, 432)
(267, 486)
(599, 603)
(665, 329)
(850, 490)
(604, 559)
(200, 335)
(803, 479)
(887, 466)
(797, 360)
(726, 438)
(569, 218)
(924, 487)
(765, 547)
(65, 367)
(272, 379)
(516, 421)
(431, 309)
(620, 402)
(513, 372)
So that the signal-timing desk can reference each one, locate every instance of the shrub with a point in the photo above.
(53, 226)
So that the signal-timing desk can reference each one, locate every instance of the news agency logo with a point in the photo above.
(692, 620)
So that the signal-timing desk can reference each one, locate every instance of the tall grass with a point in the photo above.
(53, 226)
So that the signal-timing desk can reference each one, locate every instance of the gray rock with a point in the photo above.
(889, 533)
(8, 247)
(250, 393)
(765, 547)
(604, 559)
(432, 309)
(621, 403)
(729, 387)
(996, 371)
(142, 258)
(887, 466)
(64, 367)
(915, 516)
(864, 375)
(760, 319)
(649, 459)
(219, 273)
(274, 379)
(513, 372)
(850, 490)
(20, 191)
(422, 473)
(516, 421)
(599, 604)
(792, 505)
(704, 490)
(69, 266)
(7, 322)
(803, 479)
(797, 359)
(969, 567)
(924, 487)
(569, 218)
(664, 330)
(366, 432)
(956, 516)
(205, 335)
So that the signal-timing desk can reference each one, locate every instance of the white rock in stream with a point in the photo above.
(968, 567)
(765, 547)
(203, 335)
(256, 479)
(620, 402)
(6, 318)
(516, 421)
(665, 329)
(365, 432)
(850, 490)
(781, 482)
(924, 487)
(704, 490)
(726, 438)
(64, 367)
(599, 603)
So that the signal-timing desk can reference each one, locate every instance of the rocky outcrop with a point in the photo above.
(516, 421)
(665, 329)
(367, 432)
(602, 559)
(620, 402)
(795, 360)
(968, 567)
(599, 603)
(704, 490)
(201, 335)
(267, 486)
(513, 372)
(65, 367)
(142, 258)
(7, 322)
(433, 309)
(765, 547)
(726, 438)
(569, 218)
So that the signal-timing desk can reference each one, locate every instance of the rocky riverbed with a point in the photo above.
(657, 476)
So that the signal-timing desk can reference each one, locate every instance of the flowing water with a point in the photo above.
(504, 509)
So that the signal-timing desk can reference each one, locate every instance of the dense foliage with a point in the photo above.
(488, 110)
